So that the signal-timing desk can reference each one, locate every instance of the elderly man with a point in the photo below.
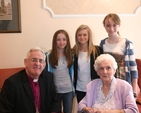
(31, 90)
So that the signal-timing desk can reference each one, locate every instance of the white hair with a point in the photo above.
(104, 57)
(36, 49)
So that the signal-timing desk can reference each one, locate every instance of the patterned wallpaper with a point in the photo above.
(69, 7)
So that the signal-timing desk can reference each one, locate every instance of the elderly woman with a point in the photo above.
(108, 94)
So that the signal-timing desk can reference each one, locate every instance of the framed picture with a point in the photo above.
(10, 17)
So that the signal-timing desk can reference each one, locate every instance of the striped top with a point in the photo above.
(129, 60)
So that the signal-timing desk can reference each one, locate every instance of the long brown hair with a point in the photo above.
(91, 47)
(113, 17)
(53, 60)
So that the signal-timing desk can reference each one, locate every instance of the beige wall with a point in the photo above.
(38, 27)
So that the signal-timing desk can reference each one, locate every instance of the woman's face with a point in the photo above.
(82, 36)
(106, 71)
(111, 27)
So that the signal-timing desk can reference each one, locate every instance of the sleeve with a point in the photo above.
(89, 99)
(101, 45)
(101, 50)
(55, 98)
(7, 97)
(102, 42)
(83, 103)
(132, 61)
(48, 65)
(130, 104)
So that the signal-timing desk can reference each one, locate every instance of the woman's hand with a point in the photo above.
(90, 110)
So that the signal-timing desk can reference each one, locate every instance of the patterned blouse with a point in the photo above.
(107, 102)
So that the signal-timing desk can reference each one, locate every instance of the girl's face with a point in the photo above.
(111, 27)
(61, 41)
(82, 36)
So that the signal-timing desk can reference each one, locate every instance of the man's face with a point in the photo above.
(35, 64)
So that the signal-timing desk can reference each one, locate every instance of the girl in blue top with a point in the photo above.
(59, 61)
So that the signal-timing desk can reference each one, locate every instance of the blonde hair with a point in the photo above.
(91, 47)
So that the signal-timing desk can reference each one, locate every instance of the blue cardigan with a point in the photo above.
(129, 60)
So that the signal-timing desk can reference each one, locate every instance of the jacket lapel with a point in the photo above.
(27, 87)
(42, 88)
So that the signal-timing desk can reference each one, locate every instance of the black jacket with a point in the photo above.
(17, 96)
(92, 61)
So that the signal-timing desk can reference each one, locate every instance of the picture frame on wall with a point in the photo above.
(10, 16)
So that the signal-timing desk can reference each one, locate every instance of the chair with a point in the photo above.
(138, 61)
(138, 100)
(5, 73)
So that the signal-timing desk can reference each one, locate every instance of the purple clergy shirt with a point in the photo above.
(36, 92)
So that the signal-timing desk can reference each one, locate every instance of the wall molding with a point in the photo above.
(59, 15)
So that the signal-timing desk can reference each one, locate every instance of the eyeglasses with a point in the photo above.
(36, 60)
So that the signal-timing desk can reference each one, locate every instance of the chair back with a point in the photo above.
(138, 61)
(7, 72)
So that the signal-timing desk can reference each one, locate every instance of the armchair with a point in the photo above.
(138, 100)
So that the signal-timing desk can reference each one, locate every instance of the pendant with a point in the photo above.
(37, 111)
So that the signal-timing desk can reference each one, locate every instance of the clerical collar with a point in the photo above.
(31, 79)
(35, 80)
